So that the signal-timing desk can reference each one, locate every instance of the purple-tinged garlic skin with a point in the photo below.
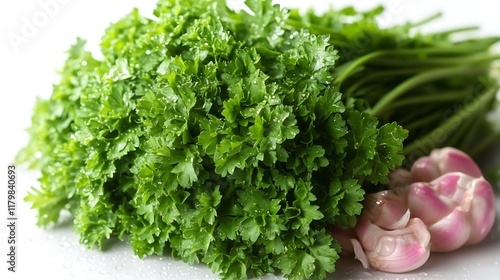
(443, 203)
(387, 210)
(457, 208)
(399, 250)
(388, 239)
(442, 161)
(481, 209)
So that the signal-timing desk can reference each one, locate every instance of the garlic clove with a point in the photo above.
(426, 203)
(359, 253)
(482, 210)
(442, 161)
(450, 159)
(451, 232)
(401, 250)
(366, 232)
(448, 184)
(424, 169)
(387, 210)
(393, 250)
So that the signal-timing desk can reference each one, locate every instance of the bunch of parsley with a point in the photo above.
(217, 135)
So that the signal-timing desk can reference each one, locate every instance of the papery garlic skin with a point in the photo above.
(386, 209)
(457, 208)
(344, 237)
(440, 205)
(398, 250)
(399, 180)
(482, 209)
(442, 161)
(389, 239)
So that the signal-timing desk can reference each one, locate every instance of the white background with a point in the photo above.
(28, 69)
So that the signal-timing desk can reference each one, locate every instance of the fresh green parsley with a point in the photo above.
(221, 136)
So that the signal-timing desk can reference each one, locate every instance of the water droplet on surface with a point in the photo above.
(423, 273)
(84, 63)
(148, 52)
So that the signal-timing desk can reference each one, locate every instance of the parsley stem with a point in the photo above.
(380, 74)
(315, 28)
(430, 118)
(420, 79)
(433, 137)
(352, 66)
(479, 43)
(437, 61)
(457, 138)
(485, 142)
(456, 30)
(426, 20)
(430, 98)
(470, 134)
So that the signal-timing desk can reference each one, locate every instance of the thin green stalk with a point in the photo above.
(434, 137)
(456, 30)
(354, 65)
(428, 98)
(430, 118)
(426, 20)
(484, 43)
(418, 79)
(460, 133)
(381, 74)
(484, 143)
(410, 115)
(316, 28)
(445, 61)
(474, 128)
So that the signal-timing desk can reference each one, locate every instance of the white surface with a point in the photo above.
(28, 70)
